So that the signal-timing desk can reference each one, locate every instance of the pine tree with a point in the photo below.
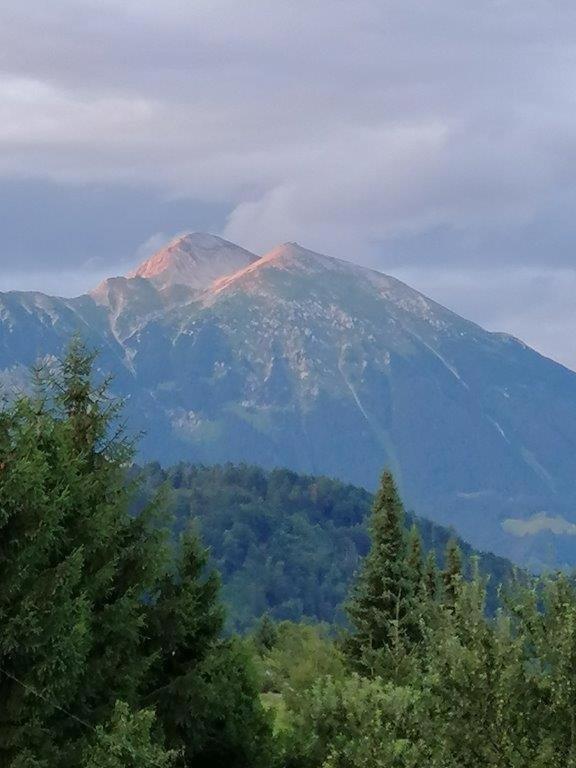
(44, 612)
(75, 566)
(382, 608)
(185, 622)
(452, 573)
(124, 556)
(203, 689)
(431, 576)
(92, 612)
(414, 555)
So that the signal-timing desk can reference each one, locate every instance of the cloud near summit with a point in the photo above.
(427, 137)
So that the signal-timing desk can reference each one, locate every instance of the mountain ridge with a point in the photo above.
(301, 360)
(194, 259)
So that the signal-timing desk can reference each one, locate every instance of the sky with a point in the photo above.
(432, 139)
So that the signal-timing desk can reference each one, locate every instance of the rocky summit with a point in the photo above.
(300, 360)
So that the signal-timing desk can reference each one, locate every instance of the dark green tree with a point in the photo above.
(452, 573)
(124, 556)
(203, 689)
(44, 614)
(382, 609)
(414, 555)
(93, 608)
(74, 567)
(431, 576)
(265, 634)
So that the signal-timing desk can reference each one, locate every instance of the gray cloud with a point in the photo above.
(427, 138)
(50, 227)
(535, 304)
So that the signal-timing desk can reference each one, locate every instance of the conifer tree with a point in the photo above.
(203, 689)
(185, 622)
(414, 555)
(452, 573)
(75, 566)
(382, 608)
(91, 613)
(431, 576)
(124, 556)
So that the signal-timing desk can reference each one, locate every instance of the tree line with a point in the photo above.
(287, 544)
(113, 650)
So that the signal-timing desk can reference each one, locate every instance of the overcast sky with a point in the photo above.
(432, 139)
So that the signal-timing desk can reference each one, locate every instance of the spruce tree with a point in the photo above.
(452, 573)
(382, 609)
(124, 556)
(44, 613)
(202, 688)
(431, 576)
(93, 615)
(185, 623)
(414, 555)
(74, 570)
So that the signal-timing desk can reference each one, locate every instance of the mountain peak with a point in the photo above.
(294, 250)
(293, 255)
(194, 259)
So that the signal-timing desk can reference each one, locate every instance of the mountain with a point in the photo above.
(301, 360)
(195, 260)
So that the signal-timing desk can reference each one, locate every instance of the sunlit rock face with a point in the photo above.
(194, 260)
(301, 360)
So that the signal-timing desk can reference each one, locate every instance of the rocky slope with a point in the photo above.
(195, 260)
(300, 360)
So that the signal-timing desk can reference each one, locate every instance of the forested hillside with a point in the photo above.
(422, 677)
(113, 652)
(286, 544)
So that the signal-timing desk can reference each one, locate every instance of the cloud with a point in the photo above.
(344, 125)
(68, 236)
(534, 303)
(432, 137)
(539, 523)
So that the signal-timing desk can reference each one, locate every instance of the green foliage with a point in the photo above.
(384, 608)
(300, 655)
(204, 690)
(430, 577)
(74, 568)
(127, 743)
(112, 650)
(452, 574)
(414, 557)
(234, 731)
(286, 545)
(357, 723)
(95, 608)
(492, 692)
(266, 634)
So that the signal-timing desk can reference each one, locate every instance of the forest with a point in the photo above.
(285, 544)
(115, 648)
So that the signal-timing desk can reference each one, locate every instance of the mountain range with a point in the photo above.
(301, 360)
